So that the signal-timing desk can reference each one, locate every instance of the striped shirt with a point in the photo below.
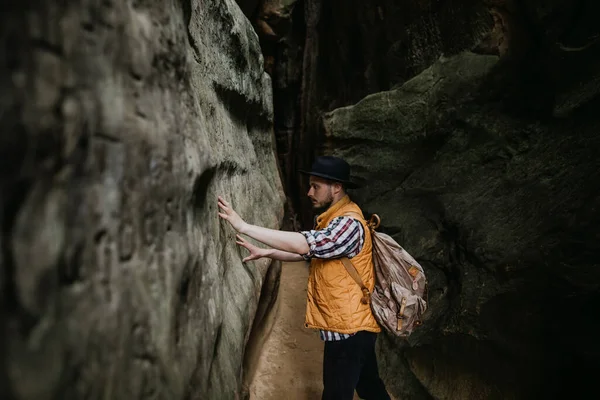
(343, 237)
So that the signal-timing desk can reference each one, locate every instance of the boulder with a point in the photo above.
(502, 212)
(120, 124)
(338, 52)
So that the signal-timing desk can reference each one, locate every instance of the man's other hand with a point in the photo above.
(229, 215)
(255, 252)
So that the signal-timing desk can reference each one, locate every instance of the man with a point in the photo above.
(334, 299)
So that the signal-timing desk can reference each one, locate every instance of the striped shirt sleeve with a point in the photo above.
(343, 237)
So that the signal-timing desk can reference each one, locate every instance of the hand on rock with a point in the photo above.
(255, 252)
(229, 215)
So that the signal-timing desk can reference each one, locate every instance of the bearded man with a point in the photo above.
(334, 307)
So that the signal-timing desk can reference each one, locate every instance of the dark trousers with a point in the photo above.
(351, 364)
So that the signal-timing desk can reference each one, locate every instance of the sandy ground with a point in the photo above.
(290, 366)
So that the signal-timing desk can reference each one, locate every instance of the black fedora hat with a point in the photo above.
(332, 168)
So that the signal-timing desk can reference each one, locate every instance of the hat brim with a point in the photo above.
(348, 184)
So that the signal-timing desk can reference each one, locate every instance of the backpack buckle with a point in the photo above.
(374, 222)
(366, 299)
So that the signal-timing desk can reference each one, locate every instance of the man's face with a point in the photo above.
(320, 193)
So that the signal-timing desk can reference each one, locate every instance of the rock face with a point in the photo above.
(472, 125)
(120, 123)
(337, 52)
(503, 213)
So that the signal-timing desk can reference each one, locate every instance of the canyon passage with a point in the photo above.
(473, 127)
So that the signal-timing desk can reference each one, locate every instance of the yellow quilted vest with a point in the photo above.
(333, 301)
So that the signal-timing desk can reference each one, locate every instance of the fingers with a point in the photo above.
(223, 201)
(224, 208)
(242, 242)
(246, 245)
(223, 205)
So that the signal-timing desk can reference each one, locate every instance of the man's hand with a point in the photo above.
(229, 215)
(255, 252)
(288, 242)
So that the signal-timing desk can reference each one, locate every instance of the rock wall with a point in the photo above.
(485, 170)
(335, 53)
(120, 123)
(472, 125)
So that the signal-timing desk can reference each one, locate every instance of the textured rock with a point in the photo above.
(271, 20)
(485, 171)
(120, 123)
(336, 53)
(503, 214)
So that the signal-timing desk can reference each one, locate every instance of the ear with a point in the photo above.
(337, 187)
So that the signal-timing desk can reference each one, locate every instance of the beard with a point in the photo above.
(321, 207)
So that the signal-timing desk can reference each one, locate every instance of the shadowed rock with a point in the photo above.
(503, 214)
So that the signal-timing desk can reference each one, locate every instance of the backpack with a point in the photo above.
(398, 300)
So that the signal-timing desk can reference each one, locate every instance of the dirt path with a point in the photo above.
(290, 364)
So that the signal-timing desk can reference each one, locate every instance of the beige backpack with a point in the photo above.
(398, 300)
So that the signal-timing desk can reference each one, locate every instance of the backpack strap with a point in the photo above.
(353, 213)
(366, 299)
(372, 223)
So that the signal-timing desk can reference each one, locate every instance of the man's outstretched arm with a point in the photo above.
(257, 252)
(284, 255)
(291, 242)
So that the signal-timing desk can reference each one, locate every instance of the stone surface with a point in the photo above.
(503, 213)
(482, 167)
(336, 53)
(120, 123)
